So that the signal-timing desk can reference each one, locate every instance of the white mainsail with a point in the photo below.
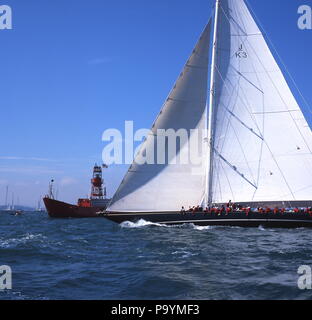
(169, 186)
(261, 142)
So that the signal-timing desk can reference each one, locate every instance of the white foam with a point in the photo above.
(143, 223)
(200, 228)
(188, 255)
(139, 224)
(7, 243)
(184, 254)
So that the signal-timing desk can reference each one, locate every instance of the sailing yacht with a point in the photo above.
(256, 143)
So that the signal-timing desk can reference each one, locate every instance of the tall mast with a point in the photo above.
(51, 191)
(12, 208)
(6, 197)
(211, 120)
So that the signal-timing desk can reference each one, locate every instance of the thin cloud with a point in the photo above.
(30, 170)
(25, 158)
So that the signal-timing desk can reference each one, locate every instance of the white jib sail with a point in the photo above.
(262, 143)
(171, 185)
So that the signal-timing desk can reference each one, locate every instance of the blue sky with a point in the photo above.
(71, 69)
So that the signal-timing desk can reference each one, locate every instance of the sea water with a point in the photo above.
(97, 259)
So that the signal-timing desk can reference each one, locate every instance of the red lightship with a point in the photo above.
(85, 208)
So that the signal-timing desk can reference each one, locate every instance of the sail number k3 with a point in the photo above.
(240, 53)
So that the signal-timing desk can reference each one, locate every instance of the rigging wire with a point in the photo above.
(231, 113)
(228, 180)
(276, 162)
(244, 154)
(279, 57)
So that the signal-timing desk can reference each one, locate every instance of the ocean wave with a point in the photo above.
(156, 262)
(13, 242)
(184, 254)
(262, 228)
(200, 228)
(18, 295)
(139, 224)
(143, 223)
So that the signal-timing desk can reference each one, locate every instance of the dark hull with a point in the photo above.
(239, 219)
(58, 209)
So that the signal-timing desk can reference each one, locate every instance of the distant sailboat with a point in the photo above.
(39, 208)
(12, 208)
(7, 206)
(257, 146)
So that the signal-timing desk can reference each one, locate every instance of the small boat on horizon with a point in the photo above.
(256, 148)
(16, 212)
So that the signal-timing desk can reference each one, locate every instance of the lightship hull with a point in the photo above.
(58, 209)
(236, 219)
